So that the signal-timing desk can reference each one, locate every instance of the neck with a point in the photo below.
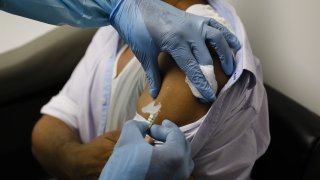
(184, 4)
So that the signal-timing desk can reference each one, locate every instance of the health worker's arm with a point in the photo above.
(80, 13)
(149, 27)
(59, 150)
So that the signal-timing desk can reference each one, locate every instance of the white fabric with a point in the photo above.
(189, 130)
(82, 102)
(126, 89)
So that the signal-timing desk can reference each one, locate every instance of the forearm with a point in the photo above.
(80, 13)
(52, 145)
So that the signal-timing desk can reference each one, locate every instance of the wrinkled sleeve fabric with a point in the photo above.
(79, 104)
(240, 136)
(68, 103)
(78, 13)
(236, 131)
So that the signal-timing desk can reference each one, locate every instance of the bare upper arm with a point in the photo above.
(48, 128)
(178, 104)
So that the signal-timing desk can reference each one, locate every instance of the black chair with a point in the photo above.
(294, 151)
(29, 77)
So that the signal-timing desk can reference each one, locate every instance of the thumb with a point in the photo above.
(133, 131)
(168, 132)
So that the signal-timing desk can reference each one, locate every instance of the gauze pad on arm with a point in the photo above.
(208, 72)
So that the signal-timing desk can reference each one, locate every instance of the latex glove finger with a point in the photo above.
(189, 65)
(231, 39)
(218, 42)
(173, 157)
(151, 68)
(133, 131)
(131, 156)
(168, 132)
(201, 52)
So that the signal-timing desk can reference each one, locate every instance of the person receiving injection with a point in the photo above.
(148, 27)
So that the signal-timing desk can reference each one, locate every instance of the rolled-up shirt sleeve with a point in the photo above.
(80, 103)
(71, 103)
(62, 107)
(67, 104)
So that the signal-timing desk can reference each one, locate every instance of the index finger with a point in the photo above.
(231, 39)
(189, 65)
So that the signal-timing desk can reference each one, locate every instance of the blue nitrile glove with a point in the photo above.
(151, 26)
(172, 159)
(134, 158)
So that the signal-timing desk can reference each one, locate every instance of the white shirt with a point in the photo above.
(84, 99)
(126, 89)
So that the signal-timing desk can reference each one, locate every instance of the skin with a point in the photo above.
(175, 96)
(59, 149)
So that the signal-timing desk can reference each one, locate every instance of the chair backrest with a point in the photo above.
(47, 60)
(29, 77)
(294, 151)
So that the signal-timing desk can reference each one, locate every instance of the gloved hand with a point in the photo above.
(173, 157)
(134, 158)
(151, 26)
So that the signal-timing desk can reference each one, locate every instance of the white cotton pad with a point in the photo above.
(151, 108)
(208, 72)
